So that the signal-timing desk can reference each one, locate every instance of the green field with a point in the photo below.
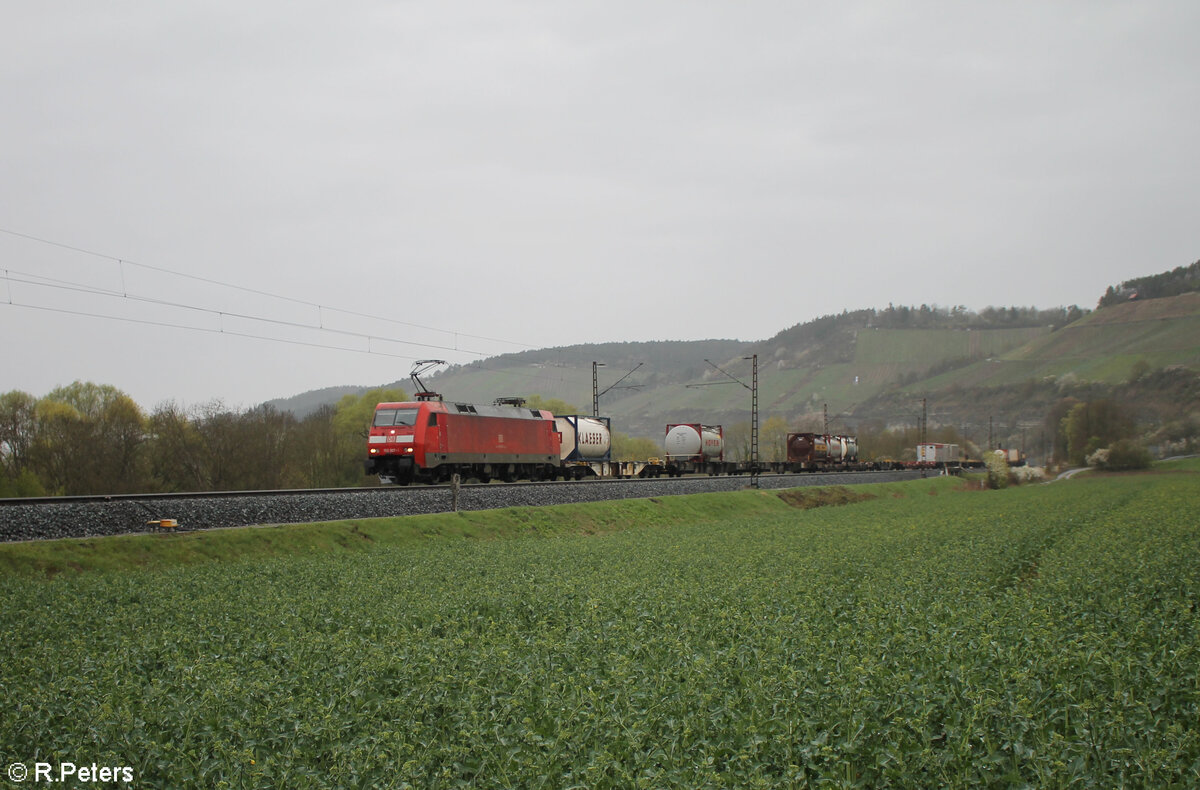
(1043, 636)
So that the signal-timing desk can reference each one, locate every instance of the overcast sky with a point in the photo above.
(528, 175)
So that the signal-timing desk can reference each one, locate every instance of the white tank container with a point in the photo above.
(688, 441)
(583, 438)
(714, 442)
(683, 441)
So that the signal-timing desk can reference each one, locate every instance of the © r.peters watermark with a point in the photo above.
(66, 771)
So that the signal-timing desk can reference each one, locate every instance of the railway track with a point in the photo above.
(92, 516)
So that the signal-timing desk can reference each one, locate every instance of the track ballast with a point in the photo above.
(81, 517)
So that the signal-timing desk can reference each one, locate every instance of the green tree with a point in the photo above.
(628, 448)
(18, 432)
(121, 432)
(18, 437)
(177, 452)
(267, 442)
(91, 437)
(88, 399)
(1092, 425)
(1055, 426)
(553, 405)
(61, 448)
(1138, 371)
(897, 444)
(223, 462)
(772, 439)
(354, 413)
(737, 441)
(24, 483)
(324, 458)
(1126, 454)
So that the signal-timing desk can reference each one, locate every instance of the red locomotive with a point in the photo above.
(430, 440)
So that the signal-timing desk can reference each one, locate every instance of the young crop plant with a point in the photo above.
(1040, 636)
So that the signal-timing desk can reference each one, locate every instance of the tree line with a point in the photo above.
(88, 438)
(1180, 280)
(925, 316)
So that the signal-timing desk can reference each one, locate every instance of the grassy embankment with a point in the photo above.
(165, 549)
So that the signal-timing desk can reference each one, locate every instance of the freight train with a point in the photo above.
(429, 441)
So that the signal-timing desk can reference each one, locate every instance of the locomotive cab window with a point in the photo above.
(388, 417)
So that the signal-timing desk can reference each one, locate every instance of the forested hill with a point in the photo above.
(1001, 368)
(1180, 280)
(836, 361)
(564, 373)
(657, 354)
(832, 338)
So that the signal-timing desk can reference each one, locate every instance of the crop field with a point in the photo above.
(1040, 636)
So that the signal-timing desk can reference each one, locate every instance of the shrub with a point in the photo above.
(25, 484)
(1027, 474)
(1127, 454)
(997, 470)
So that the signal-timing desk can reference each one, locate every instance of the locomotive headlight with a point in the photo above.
(408, 449)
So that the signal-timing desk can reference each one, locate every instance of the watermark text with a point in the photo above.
(69, 772)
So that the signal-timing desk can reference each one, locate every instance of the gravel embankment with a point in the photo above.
(91, 519)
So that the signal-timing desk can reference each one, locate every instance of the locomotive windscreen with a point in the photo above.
(388, 417)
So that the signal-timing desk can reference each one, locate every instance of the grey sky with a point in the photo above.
(549, 173)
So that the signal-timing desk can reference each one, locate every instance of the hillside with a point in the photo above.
(1103, 346)
(1143, 355)
(674, 383)
(994, 373)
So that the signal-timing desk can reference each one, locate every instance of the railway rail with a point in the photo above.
(45, 518)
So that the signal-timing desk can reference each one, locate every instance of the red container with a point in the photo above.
(807, 448)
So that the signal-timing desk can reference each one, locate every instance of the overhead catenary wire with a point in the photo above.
(121, 262)
(233, 333)
(209, 330)
(79, 288)
(43, 281)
